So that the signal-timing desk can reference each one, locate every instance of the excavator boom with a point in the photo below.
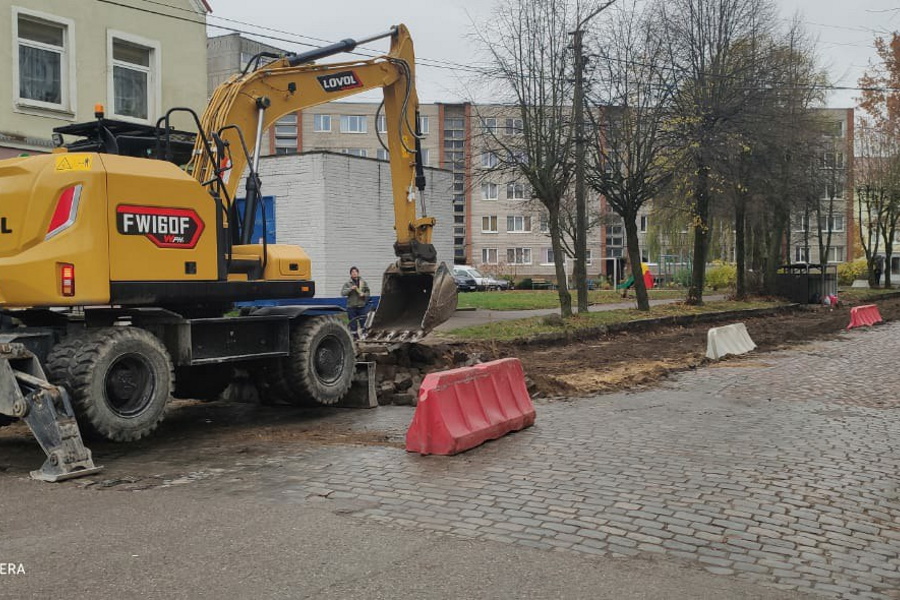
(418, 293)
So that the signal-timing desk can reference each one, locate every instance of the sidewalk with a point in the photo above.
(470, 318)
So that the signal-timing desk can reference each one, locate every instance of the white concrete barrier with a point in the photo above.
(730, 339)
(860, 283)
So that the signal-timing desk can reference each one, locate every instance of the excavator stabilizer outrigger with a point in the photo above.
(26, 394)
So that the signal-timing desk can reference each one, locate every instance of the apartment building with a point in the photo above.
(230, 54)
(671, 245)
(135, 57)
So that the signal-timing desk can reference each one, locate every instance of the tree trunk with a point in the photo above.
(565, 298)
(740, 218)
(773, 258)
(701, 235)
(634, 257)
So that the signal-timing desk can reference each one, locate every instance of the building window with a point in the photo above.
(321, 123)
(836, 254)
(489, 256)
(44, 63)
(614, 252)
(832, 190)
(547, 256)
(545, 223)
(833, 160)
(489, 160)
(489, 125)
(426, 157)
(518, 224)
(489, 224)
(354, 124)
(515, 190)
(361, 152)
(801, 222)
(286, 134)
(134, 76)
(423, 125)
(835, 223)
(589, 257)
(801, 254)
(381, 124)
(513, 126)
(489, 191)
(518, 256)
(518, 157)
(644, 221)
(459, 219)
(382, 154)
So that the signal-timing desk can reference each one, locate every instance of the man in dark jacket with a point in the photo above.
(357, 292)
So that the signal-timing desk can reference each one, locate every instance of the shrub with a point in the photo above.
(682, 277)
(851, 271)
(722, 277)
(525, 284)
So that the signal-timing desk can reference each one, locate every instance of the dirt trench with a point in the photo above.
(612, 361)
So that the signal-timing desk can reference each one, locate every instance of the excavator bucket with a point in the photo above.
(411, 305)
(26, 394)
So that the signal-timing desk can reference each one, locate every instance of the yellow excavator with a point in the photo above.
(124, 254)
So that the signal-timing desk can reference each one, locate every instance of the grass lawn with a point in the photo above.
(534, 299)
(856, 295)
(523, 328)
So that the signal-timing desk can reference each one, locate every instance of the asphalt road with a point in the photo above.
(184, 543)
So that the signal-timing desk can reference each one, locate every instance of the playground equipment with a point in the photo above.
(648, 279)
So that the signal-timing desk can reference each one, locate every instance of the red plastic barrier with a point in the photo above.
(463, 408)
(866, 314)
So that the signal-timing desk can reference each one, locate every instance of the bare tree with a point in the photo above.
(528, 43)
(707, 43)
(880, 99)
(629, 159)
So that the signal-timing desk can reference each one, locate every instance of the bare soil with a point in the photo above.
(624, 360)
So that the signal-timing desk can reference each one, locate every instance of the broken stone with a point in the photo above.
(403, 381)
(405, 399)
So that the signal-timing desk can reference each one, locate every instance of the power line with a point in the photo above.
(420, 61)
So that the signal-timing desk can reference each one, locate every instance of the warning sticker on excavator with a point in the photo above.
(74, 162)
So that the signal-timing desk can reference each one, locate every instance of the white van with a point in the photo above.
(483, 282)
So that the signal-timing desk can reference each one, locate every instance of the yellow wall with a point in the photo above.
(180, 34)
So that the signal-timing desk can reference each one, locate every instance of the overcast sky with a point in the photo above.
(442, 33)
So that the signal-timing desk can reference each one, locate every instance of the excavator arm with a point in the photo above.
(417, 292)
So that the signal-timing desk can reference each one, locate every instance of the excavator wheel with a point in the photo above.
(119, 380)
(319, 369)
(203, 382)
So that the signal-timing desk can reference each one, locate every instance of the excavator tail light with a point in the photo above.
(66, 211)
(67, 279)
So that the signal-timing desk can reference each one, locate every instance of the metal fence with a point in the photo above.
(806, 283)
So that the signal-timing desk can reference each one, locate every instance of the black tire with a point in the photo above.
(203, 382)
(319, 369)
(118, 378)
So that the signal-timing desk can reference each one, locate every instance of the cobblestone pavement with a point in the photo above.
(779, 468)
(782, 469)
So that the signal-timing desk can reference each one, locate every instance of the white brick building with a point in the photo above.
(340, 209)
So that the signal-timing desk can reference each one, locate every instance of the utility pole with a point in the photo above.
(580, 270)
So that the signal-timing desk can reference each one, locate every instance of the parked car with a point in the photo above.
(482, 281)
(464, 282)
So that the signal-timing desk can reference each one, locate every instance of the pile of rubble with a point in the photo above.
(399, 370)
